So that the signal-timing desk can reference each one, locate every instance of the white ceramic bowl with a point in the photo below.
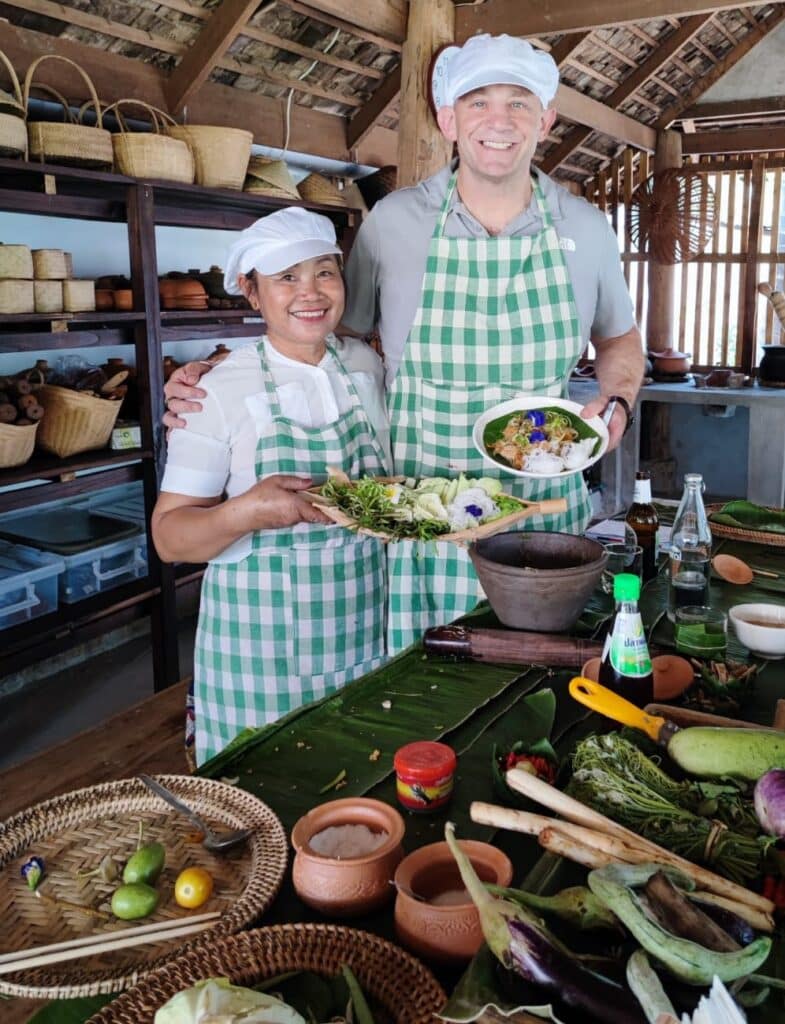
(523, 404)
(768, 641)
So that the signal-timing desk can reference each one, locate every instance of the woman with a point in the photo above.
(291, 607)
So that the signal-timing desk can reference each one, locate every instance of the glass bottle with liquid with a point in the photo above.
(690, 549)
(642, 517)
(626, 666)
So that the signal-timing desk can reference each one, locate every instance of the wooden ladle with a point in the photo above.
(734, 570)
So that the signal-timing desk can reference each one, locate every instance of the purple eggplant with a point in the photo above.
(770, 802)
(521, 942)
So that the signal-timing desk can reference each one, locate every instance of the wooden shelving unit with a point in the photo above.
(52, 191)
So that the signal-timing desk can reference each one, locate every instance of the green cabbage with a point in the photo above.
(217, 1001)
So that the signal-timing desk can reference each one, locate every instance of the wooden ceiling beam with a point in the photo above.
(309, 52)
(590, 72)
(365, 118)
(568, 45)
(731, 110)
(546, 17)
(116, 77)
(705, 82)
(262, 75)
(379, 21)
(225, 24)
(648, 69)
(596, 116)
(744, 140)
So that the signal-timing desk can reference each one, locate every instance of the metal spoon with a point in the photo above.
(216, 842)
(734, 570)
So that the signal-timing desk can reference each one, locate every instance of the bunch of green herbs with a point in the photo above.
(366, 502)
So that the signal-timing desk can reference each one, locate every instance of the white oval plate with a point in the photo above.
(522, 404)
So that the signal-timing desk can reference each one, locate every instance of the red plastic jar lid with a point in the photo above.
(425, 760)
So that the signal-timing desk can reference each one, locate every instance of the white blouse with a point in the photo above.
(216, 453)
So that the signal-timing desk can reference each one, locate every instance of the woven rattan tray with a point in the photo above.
(74, 831)
(774, 540)
(400, 989)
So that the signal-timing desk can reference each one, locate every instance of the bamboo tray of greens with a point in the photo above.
(433, 508)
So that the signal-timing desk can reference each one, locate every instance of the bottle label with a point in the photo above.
(642, 493)
(629, 654)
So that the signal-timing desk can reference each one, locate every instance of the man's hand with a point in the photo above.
(275, 502)
(618, 423)
(181, 393)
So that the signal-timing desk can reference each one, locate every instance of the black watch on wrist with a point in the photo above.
(622, 401)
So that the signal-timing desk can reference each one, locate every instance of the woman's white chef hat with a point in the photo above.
(493, 60)
(278, 241)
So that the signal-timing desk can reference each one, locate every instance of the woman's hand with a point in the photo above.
(275, 502)
(181, 392)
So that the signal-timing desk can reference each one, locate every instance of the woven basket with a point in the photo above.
(399, 988)
(13, 130)
(73, 832)
(16, 444)
(221, 155)
(774, 540)
(150, 154)
(79, 296)
(71, 143)
(48, 296)
(74, 422)
(270, 178)
(49, 264)
(16, 261)
(16, 296)
(317, 189)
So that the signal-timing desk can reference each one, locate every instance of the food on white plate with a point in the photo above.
(543, 441)
(216, 999)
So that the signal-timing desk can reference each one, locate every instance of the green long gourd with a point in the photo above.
(710, 752)
(691, 962)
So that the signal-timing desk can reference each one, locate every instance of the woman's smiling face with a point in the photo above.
(497, 129)
(300, 305)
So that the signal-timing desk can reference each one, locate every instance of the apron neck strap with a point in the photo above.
(452, 185)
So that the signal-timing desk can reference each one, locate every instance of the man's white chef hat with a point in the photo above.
(493, 60)
(278, 241)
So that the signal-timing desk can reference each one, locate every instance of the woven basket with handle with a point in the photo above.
(74, 422)
(221, 155)
(16, 444)
(13, 130)
(150, 154)
(71, 142)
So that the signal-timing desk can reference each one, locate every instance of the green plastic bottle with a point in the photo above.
(626, 665)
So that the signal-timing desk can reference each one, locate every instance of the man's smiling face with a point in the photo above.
(497, 129)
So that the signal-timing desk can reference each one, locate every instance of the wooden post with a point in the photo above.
(422, 149)
(750, 279)
(662, 278)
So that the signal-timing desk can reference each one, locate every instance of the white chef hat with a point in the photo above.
(493, 60)
(278, 241)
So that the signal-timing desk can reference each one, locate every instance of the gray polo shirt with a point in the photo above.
(386, 265)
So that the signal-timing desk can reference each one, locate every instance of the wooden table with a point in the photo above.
(147, 737)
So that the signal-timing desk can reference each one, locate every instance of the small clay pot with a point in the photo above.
(351, 886)
(124, 299)
(669, 361)
(450, 933)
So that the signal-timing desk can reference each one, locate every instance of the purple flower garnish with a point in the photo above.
(32, 871)
(474, 510)
(537, 416)
(538, 435)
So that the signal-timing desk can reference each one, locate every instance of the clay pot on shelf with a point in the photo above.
(123, 300)
(670, 361)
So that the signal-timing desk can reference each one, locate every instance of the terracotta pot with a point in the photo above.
(124, 299)
(351, 886)
(538, 580)
(669, 361)
(104, 298)
(449, 933)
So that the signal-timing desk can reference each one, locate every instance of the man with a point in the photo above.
(486, 280)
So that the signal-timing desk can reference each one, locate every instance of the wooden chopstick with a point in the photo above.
(91, 945)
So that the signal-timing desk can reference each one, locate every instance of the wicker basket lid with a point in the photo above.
(318, 189)
(271, 177)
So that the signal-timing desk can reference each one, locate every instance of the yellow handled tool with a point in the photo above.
(606, 702)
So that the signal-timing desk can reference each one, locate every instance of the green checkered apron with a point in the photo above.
(497, 317)
(304, 613)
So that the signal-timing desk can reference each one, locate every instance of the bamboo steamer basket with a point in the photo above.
(48, 296)
(74, 422)
(16, 296)
(221, 155)
(16, 444)
(50, 264)
(69, 142)
(315, 188)
(78, 296)
(13, 130)
(150, 154)
(16, 261)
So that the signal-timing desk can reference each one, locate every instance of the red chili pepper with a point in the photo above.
(769, 887)
(543, 767)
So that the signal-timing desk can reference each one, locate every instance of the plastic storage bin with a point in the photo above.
(103, 568)
(28, 583)
(130, 509)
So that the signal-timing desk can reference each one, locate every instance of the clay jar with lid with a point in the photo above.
(351, 886)
(448, 932)
(424, 773)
